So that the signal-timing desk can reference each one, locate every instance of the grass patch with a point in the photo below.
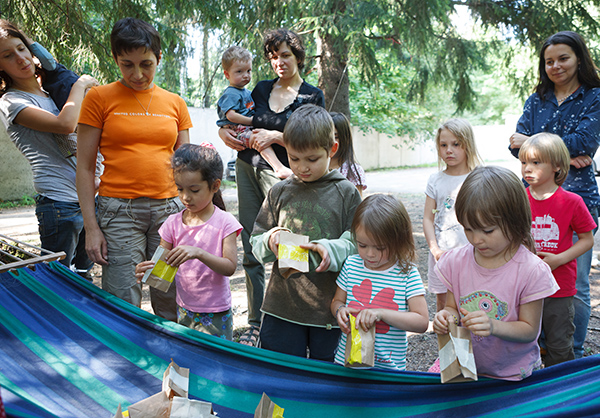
(22, 202)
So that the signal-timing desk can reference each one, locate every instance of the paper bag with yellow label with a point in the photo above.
(267, 408)
(360, 346)
(292, 258)
(162, 275)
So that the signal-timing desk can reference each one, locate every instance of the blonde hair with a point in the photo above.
(495, 196)
(548, 148)
(463, 132)
(387, 223)
(233, 54)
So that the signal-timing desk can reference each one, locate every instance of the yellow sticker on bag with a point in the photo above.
(164, 271)
(277, 411)
(293, 252)
(355, 343)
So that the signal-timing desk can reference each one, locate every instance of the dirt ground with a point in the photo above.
(422, 348)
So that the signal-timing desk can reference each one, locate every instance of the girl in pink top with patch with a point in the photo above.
(496, 284)
(202, 240)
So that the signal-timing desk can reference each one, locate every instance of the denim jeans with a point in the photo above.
(581, 301)
(61, 229)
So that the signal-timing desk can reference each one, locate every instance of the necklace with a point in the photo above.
(145, 108)
(567, 96)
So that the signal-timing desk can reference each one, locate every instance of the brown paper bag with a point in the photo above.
(176, 381)
(190, 408)
(292, 258)
(155, 406)
(267, 409)
(162, 275)
(457, 363)
(360, 347)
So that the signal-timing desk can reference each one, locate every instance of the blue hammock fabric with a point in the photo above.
(68, 349)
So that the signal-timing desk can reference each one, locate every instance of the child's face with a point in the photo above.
(15, 59)
(375, 256)
(491, 245)
(239, 74)
(138, 68)
(537, 173)
(451, 152)
(311, 164)
(194, 191)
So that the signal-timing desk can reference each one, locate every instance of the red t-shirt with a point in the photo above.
(553, 222)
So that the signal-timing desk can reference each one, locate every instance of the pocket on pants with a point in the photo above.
(109, 209)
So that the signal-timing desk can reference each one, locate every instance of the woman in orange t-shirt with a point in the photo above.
(136, 126)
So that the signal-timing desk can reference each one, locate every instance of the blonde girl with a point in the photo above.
(457, 152)
(344, 159)
(380, 285)
(496, 284)
(202, 240)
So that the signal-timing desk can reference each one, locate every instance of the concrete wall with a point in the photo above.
(373, 150)
(16, 179)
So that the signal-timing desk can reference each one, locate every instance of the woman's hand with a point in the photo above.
(96, 246)
(517, 140)
(581, 161)
(264, 138)
(86, 81)
(229, 137)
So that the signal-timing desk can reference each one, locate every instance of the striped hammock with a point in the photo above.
(69, 349)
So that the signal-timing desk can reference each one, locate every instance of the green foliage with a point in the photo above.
(24, 201)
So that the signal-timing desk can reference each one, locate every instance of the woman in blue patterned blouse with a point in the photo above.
(566, 102)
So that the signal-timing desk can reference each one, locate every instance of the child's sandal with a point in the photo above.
(250, 336)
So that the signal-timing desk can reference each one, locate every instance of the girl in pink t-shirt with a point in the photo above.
(496, 284)
(202, 240)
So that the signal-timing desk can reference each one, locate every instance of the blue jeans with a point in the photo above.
(581, 301)
(61, 229)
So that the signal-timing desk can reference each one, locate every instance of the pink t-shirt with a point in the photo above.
(199, 289)
(500, 293)
(553, 222)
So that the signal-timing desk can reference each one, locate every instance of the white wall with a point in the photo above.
(373, 150)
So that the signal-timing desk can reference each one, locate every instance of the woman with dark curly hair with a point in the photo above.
(566, 102)
(275, 100)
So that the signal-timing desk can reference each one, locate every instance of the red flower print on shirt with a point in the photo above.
(383, 300)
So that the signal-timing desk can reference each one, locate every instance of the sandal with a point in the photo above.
(250, 336)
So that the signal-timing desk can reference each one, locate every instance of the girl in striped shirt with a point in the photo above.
(380, 285)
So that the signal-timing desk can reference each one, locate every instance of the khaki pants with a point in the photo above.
(130, 227)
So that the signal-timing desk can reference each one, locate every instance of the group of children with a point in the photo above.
(483, 229)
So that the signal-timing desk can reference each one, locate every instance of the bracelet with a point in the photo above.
(338, 309)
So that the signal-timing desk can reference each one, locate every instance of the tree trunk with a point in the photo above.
(206, 67)
(333, 73)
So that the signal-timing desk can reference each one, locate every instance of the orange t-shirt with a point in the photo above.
(136, 146)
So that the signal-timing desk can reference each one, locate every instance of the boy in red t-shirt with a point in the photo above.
(556, 214)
